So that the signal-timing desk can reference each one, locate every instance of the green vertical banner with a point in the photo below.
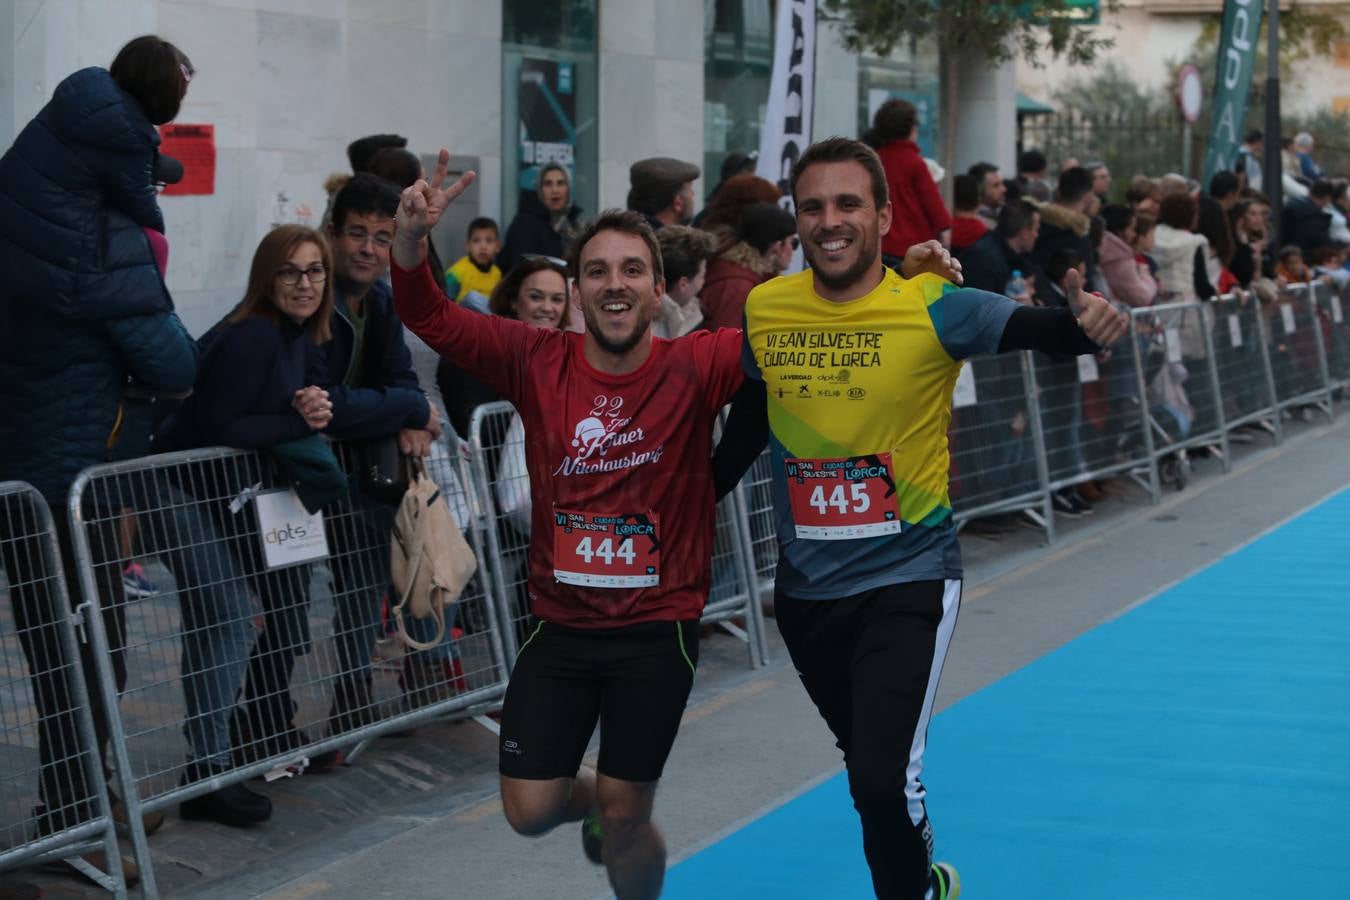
(1233, 82)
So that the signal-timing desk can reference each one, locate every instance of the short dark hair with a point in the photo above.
(1253, 136)
(626, 221)
(1178, 211)
(396, 164)
(1074, 184)
(763, 224)
(1223, 183)
(482, 223)
(894, 120)
(1117, 217)
(361, 150)
(1322, 188)
(155, 73)
(682, 250)
(842, 149)
(1143, 225)
(966, 192)
(1031, 161)
(1060, 262)
(981, 169)
(508, 289)
(1016, 216)
(364, 194)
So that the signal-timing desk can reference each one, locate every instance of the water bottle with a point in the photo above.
(1017, 286)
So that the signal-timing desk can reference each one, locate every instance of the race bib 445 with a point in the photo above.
(843, 499)
(606, 550)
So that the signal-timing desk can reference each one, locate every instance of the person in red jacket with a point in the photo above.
(767, 238)
(919, 213)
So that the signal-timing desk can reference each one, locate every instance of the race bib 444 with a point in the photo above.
(843, 499)
(606, 551)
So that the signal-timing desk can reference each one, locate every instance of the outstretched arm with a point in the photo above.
(1088, 325)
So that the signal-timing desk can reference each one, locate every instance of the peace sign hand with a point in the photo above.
(424, 202)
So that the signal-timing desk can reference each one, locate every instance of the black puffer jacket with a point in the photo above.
(87, 328)
(531, 231)
(88, 154)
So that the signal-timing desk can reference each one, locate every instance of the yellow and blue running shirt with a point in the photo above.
(847, 384)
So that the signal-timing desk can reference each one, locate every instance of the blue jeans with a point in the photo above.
(216, 609)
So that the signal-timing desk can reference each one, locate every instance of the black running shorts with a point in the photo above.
(634, 680)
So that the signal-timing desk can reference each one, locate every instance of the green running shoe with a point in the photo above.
(946, 884)
(592, 838)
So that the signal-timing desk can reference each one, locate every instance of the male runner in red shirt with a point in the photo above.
(619, 429)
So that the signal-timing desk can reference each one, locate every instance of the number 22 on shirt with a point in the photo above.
(843, 499)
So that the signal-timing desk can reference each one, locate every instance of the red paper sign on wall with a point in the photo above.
(195, 147)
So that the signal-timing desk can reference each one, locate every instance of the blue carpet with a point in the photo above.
(1198, 747)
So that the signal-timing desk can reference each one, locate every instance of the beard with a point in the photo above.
(868, 242)
(619, 346)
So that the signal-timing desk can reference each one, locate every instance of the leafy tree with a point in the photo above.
(997, 30)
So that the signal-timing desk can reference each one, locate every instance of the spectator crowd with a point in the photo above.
(95, 366)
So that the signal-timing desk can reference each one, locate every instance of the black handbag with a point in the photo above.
(382, 470)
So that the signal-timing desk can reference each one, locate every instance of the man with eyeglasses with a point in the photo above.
(367, 372)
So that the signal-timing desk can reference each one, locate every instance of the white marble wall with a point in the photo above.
(651, 88)
(986, 115)
(287, 84)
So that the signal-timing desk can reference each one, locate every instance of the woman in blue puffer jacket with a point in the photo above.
(87, 329)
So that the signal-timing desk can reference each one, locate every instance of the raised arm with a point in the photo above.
(490, 348)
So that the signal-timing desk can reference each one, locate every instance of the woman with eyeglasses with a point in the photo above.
(252, 366)
(766, 239)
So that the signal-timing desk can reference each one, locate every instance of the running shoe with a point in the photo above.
(944, 883)
(135, 584)
(592, 838)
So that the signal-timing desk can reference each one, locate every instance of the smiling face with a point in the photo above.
(618, 293)
(361, 247)
(840, 228)
(300, 300)
(542, 300)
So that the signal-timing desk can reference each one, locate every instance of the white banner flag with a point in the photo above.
(787, 119)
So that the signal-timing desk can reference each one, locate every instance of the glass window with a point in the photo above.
(550, 83)
(556, 24)
(738, 64)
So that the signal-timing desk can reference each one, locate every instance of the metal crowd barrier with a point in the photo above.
(497, 441)
(1332, 304)
(267, 646)
(996, 442)
(1243, 363)
(1297, 350)
(54, 801)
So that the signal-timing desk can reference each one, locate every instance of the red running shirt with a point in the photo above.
(599, 444)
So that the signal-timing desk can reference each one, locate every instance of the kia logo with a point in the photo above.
(856, 393)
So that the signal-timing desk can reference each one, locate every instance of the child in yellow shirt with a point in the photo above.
(476, 272)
